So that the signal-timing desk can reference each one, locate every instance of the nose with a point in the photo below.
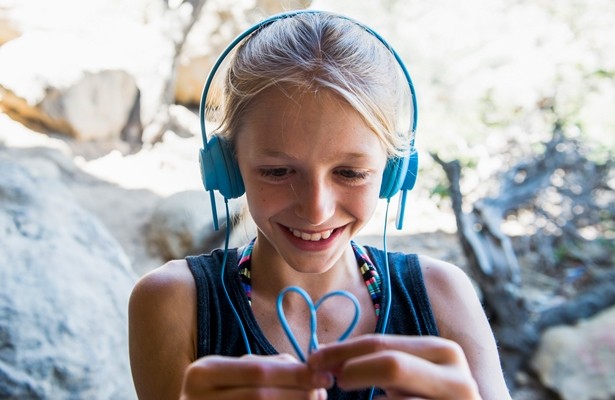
(315, 200)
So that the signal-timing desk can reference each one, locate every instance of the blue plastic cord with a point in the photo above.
(223, 269)
(313, 308)
(387, 283)
(387, 274)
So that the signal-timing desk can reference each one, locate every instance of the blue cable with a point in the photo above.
(223, 269)
(313, 308)
(387, 283)
(387, 274)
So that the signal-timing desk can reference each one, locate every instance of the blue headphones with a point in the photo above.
(219, 167)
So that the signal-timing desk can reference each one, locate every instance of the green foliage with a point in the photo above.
(440, 191)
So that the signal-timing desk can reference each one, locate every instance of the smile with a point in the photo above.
(313, 237)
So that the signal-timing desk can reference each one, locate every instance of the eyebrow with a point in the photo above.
(277, 154)
(281, 154)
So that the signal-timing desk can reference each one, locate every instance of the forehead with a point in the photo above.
(280, 118)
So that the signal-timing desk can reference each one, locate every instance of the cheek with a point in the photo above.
(362, 204)
(262, 200)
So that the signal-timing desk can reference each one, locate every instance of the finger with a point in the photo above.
(403, 375)
(434, 349)
(391, 370)
(395, 395)
(284, 358)
(253, 371)
(399, 397)
(261, 393)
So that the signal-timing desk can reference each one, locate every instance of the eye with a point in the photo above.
(353, 175)
(275, 174)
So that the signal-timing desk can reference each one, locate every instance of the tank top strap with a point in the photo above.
(410, 305)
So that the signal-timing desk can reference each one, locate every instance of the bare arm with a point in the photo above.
(162, 328)
(461, 318)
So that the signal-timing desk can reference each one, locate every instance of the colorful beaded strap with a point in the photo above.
(366, 266)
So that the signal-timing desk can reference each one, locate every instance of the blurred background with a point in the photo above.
(99, 176)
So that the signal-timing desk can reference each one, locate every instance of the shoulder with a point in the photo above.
(451, 294)
(162, 329)
(171, 282)
(441, 276)
(159, 294)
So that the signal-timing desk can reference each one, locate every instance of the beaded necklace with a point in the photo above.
(366, 266)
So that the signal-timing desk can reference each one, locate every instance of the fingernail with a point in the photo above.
(321, 394)
(323, 379)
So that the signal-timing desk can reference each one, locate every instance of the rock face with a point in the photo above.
(578, 362)
(64, 288)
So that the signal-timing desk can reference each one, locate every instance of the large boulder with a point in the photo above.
(182, 225)
(64, 289)
(578, 361)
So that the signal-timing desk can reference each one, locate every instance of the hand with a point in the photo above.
(406, 367)
(253, 377)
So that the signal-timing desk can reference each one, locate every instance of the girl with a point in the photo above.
(311, 116)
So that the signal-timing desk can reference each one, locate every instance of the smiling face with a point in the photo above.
(312, 169)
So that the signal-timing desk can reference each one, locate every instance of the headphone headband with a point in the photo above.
(290, 14)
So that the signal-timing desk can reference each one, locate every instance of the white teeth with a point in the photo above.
(313, 237)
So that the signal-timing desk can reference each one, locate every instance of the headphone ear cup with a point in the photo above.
(219, 169)
(392, 177)
(399, 174)
(412, 172)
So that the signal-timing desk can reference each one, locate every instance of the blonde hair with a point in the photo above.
(310, 51)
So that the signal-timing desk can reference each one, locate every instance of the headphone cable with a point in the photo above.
(387, 273)
(387, 283)
(223, 271)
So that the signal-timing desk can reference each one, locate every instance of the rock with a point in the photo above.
(64, 288)
(184, 122)
(578, 361)
(69, 95)
(182, 225)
